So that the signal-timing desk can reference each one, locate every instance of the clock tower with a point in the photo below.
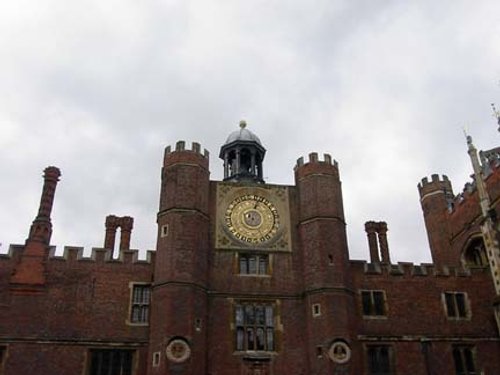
(251, 215)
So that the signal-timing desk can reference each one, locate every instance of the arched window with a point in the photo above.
(475, 253)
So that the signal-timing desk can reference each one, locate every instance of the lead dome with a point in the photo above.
(243, 134)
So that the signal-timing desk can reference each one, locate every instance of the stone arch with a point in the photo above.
(474, 252)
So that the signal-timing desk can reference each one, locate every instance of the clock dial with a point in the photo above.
(252, 218)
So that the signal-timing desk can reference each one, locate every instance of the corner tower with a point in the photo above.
(179, 288)
(436, 197)
(328, 295)
(243, 155)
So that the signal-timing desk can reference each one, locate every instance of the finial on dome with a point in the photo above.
(243, 124)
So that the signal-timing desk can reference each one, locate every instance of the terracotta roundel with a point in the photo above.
(178, 351)
(339, 352)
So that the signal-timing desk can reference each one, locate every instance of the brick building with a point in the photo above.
(255, 278)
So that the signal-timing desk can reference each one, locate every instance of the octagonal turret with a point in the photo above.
(243, 155)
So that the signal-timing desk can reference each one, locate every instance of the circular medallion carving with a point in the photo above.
(178, 351)
(339, 352)
(252, 219)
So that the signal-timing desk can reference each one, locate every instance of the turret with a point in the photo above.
(321, 207)
(180, 279)
(31, 267)
(436, 199)
(323, 243)
(243, 155)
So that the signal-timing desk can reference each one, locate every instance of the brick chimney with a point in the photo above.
(31, 267)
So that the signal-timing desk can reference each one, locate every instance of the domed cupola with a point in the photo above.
(243, 155)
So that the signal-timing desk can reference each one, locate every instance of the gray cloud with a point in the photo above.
(99, 89)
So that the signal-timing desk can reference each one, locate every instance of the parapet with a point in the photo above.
(14, 250)
(436, 184)
(180, 147)
(490, 159)
(491, 171)
(100, 255)
(408, 269)
(181, 155)
(97, 255)
(313, 158)
(314, 165)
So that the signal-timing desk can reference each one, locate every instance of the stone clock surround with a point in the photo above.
(255, 216)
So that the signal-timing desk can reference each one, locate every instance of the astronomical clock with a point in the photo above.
(254, 217)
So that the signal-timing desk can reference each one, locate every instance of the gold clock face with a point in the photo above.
(252, 219)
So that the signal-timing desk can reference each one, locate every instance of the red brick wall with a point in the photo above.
(85, 303)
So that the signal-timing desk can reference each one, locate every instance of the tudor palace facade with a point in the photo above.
(251, 278)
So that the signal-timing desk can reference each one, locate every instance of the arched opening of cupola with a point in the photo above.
(245, 161)
(243, 155)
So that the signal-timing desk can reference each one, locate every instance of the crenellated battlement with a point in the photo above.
(408, 269)
(182, 155)
(491, 170)
(460, 200)
(180, 146)
(14, 250)
(491, 157)
(97, 255)
(435, 185)
(314, 158)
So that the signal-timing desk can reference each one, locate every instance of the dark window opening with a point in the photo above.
(141, 297)
(464, 360)
(245, 161)
(3, 349)
(373, 302)
(254, 327)
(379, 360)
(316, 309)
(456, 305)
(251, 264)
(475, 254)
(319, 351)
(111, 362)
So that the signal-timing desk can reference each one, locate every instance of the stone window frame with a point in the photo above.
(261, 255)
(277, 326)
(316, 310)
(459, 312)
(378, 349)
(131, 304)
(373, 304)
(101, 351)
(465, 359)
(164, 230)
(156, 359)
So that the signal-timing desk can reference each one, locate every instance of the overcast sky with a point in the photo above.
(99, 88)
